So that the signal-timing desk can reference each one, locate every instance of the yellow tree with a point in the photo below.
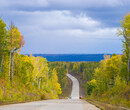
(40, 71)
(113, 66)
(14, 44)
(3, 38)
(55, 85)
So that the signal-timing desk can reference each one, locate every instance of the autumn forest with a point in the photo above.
(28, 78)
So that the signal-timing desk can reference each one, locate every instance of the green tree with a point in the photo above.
(125, 31)
(75, 68)
(91, 85)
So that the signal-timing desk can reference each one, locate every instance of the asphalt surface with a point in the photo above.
(60, 104)
(75, 87)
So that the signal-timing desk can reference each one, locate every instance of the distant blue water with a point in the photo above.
(72, 57)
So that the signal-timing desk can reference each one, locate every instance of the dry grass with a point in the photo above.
(104, 106)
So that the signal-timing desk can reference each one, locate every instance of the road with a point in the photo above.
(75, 87)
(60, 104)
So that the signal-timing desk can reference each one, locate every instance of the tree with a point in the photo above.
(55, 85)
(113, 66)
(16, 41)
(91, 85)
(3, 37)
(22, 41)
(125, 31)
(75, 68)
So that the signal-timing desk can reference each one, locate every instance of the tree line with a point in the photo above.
(111, 79)
(107, 80)
(23, 77)
(83, 71)
(62, 70)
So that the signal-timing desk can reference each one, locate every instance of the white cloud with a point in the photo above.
(60, 25)
(105, 33)
(57, 20)
(44, 30)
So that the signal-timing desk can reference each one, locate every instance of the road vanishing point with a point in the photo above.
(56, 104)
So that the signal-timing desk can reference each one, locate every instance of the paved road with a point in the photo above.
(62, 104)
(75, 87)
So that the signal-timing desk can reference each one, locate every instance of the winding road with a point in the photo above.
(75, 87)
(60, 104)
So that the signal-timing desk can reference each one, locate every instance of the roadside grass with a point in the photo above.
(105, 106)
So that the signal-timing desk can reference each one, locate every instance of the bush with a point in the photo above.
(43, 96)
(91, 86)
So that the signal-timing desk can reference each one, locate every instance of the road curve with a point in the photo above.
(60, 104)
(75, 87)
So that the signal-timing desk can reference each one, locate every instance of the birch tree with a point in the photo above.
(3, 36)
(16, 41)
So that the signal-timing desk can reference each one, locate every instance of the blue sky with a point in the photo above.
(67, 26)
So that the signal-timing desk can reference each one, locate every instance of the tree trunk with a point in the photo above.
(112, 81)
(2, 63)
(39, 84)
(10, 65)
(13, 67)
(127, 40)
(34, 81)
(47, 78)
(10, 53)
(128, 69)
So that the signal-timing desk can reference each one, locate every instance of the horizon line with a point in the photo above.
(70, 53)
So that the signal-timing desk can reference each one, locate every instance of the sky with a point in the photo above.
(67, 26)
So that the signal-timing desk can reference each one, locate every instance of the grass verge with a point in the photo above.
(104, 106)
